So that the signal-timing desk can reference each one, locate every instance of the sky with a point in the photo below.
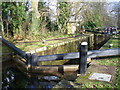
(83, 0)
(113, 0)
(52, 4)
(61, 0)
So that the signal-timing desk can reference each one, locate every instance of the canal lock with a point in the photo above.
(10, 78)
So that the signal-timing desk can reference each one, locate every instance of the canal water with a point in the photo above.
(14, 78)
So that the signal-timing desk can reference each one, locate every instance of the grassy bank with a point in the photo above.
(32, 45)
(104, 62)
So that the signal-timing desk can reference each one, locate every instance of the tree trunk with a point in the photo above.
(35, 16)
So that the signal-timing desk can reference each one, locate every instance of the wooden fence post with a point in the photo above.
(95, 41)
(29, 58)
(34, 59)
(83, 57)
(88, 40)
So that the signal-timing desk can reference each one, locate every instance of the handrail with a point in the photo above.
(75, 55)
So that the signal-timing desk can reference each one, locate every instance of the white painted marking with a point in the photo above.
(84, 43)
(100, 77)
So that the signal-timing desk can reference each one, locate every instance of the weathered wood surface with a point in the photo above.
(104, 52)
(75, 55)
(55, 68)
(45, 68)
(21, 65)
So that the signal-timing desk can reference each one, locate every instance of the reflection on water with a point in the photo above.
(13, 78)
(49, 78)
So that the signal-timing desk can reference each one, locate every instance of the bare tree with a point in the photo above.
(35, 16)
(116, 11)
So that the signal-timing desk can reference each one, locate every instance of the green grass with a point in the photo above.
(113, 41)
(34, 45)
(6, 49)
(107, 61)
(112, 61)
(118, 77)
(86, 83)
(97, 85)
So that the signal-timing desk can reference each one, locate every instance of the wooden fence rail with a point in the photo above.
(32, 59)
(75, 55)
(97, 32)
